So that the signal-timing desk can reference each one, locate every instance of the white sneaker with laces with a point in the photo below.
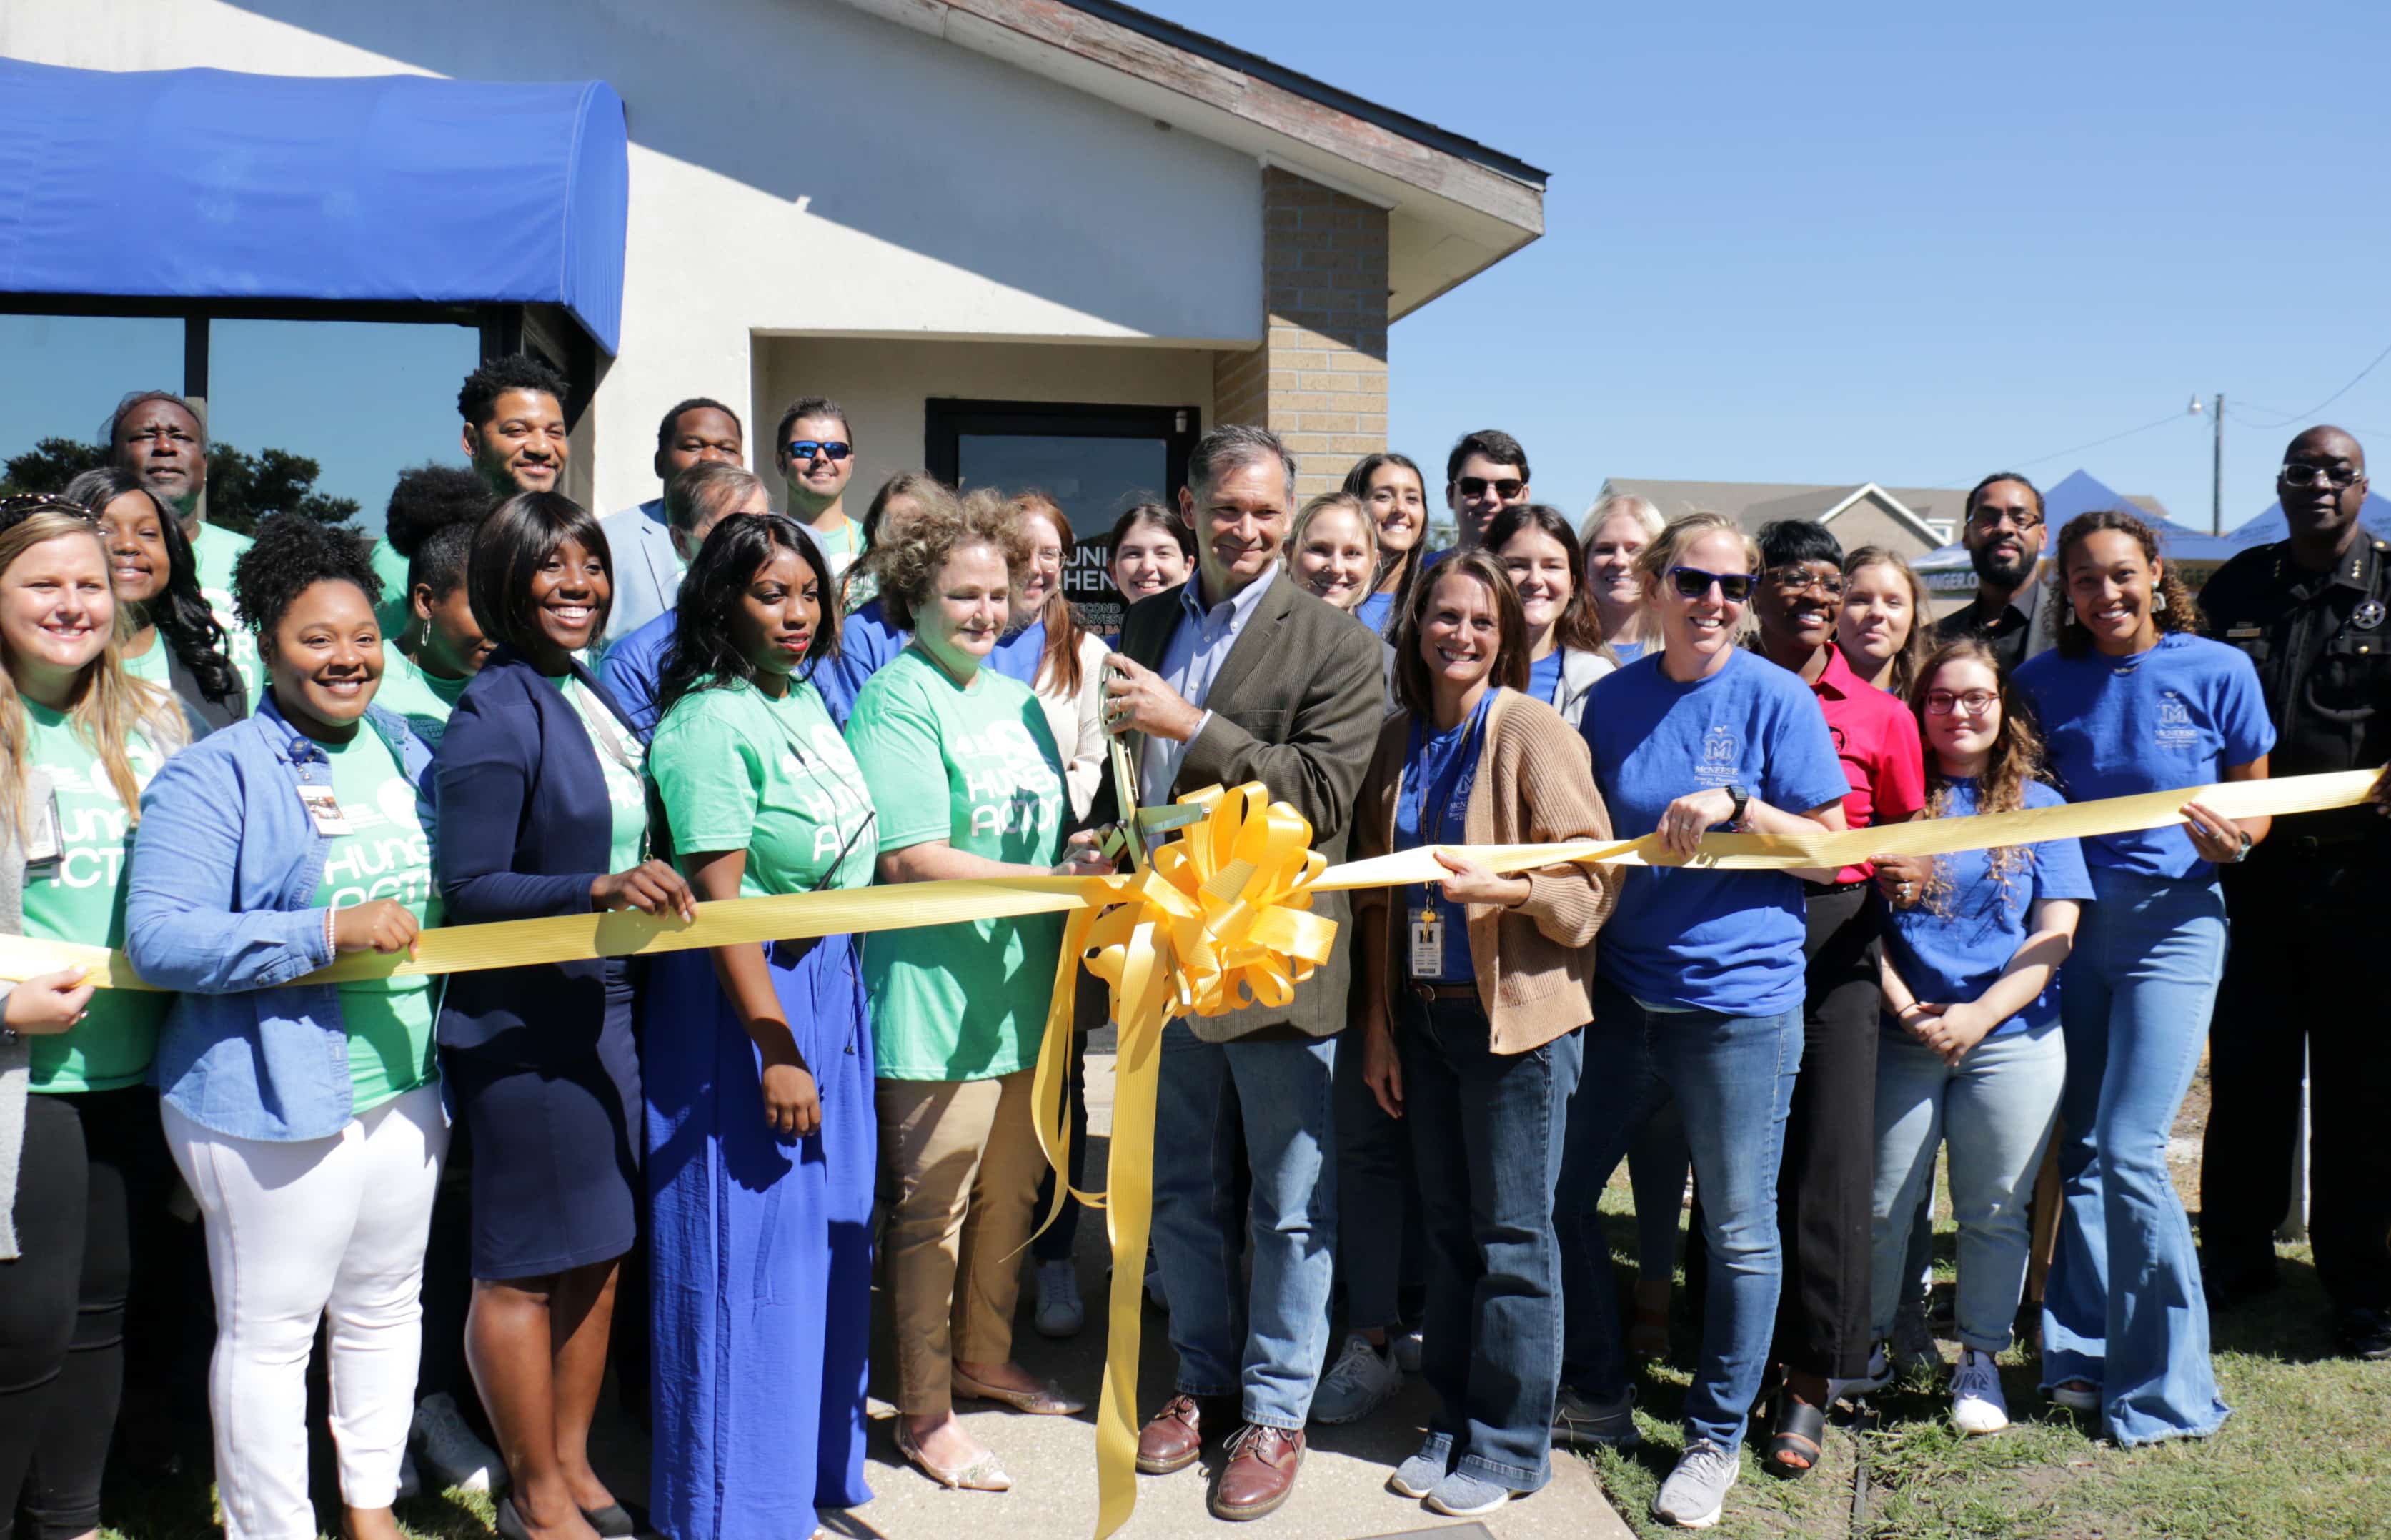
(1696, 1490)
(1362, 1379)
(1060, 1313)
(451, 1453)
(1976, 1403)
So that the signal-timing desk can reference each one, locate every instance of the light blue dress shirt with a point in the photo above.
(1198, 647)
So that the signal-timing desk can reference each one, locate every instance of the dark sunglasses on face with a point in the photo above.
(2301, 474)
(1694, 583)
(1475, 486)
(810, 450)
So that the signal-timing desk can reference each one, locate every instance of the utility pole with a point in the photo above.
(2217, 470)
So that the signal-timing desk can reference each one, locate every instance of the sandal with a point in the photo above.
(983, 1474)
(1046, 1401)
(1794, 1444)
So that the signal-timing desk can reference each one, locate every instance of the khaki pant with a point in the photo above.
(961, 1166)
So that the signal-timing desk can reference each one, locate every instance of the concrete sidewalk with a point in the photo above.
(1341, 1495)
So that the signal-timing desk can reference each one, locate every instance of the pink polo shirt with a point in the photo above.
(1877, 740)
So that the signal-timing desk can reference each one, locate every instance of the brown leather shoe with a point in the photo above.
(1172, 1439)
(1260, 1472)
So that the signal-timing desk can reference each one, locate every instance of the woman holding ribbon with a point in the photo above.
(966, 782)
(1698, 986)
(2133, 700)
(1473, 990)
(543, 811)
(1970, 1052)
(173, 639)
(1536, 546)
(306, 1116)
(756, 1063)
(81, 1153)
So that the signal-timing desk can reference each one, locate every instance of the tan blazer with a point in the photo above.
(1535, 785)
(1296, 706)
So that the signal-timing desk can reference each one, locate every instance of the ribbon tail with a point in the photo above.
(1129, 1220)
(1050, 1083)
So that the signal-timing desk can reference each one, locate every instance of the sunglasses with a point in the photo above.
(811, 449)
(1694, 583)
(1475, 486)
(2302, 474)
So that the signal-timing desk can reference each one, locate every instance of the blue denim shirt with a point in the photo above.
(220, 905)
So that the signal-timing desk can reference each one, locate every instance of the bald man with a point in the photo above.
(2309, 909)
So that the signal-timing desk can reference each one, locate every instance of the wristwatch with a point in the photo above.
(1741, 797)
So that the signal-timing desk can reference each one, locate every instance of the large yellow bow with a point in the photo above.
(1218, 920)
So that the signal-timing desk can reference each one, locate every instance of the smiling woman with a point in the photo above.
(172, 638)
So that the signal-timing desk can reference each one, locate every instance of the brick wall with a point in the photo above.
(1319, 380)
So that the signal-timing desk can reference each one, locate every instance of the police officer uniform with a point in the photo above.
(2312, 913)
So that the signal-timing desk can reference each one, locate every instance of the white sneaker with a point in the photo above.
(1696, 1490)
(1976, 1403)
(1060, 1313)
(1362, 1379)
(451, 1453)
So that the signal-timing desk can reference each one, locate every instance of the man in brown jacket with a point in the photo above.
(1240, 676)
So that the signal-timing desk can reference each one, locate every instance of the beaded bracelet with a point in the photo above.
(330, 948)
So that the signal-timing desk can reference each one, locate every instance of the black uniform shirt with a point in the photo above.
(2012, 633)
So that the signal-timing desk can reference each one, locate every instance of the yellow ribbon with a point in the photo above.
(1220, 919)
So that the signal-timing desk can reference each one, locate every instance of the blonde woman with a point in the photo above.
(1616, 530)
(1881, 628)
(1333, 549)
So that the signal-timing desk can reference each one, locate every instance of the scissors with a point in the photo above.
(1136, 824)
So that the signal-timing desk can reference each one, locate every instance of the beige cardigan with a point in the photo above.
(1534, 784)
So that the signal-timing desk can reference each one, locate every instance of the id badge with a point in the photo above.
(323, 804)
(1428, 942)
(43, 846)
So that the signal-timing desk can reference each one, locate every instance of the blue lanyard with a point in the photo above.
(1437, 789)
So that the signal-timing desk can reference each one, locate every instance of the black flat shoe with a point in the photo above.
(614, 1522)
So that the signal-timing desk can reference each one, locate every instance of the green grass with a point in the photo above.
(2306, 1455)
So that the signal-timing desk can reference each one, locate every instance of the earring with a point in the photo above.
(426, 641)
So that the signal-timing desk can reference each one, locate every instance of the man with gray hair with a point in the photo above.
(695, 500)
(1242, 676)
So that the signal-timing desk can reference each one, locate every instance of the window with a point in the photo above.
(66, 374)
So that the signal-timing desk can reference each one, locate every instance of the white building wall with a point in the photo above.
(795, 165)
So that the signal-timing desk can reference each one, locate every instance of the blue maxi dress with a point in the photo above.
(762, 1252)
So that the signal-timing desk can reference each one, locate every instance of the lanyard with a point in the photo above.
(1441, 785)
(806, 763)
(603, 727)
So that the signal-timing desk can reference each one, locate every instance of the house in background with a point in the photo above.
(1024, 241)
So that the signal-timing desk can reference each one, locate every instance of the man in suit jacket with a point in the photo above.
(1241, 676)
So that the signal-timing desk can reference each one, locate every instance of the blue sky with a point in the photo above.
(1823, 243)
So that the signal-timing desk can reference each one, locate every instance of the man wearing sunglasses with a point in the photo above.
(2307, 909)
(1486, 473)
(2004, 536)
(816, 454)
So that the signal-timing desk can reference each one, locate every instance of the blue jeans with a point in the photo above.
(1732, 1078)
(2123, 1308)
(1995, 1110)
(1277, 1097)
(1487, 1131)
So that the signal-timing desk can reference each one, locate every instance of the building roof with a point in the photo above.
(1454, 207)
(1753, 503)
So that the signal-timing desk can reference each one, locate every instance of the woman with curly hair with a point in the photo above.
(756, 1063)
(157, 583)
(1970, 1054)
(1882, 626)
(306, 1116)
(966, 782)
(2132, 699)
(81, 1157)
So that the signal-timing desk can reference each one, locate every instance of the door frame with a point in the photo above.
(946, 419)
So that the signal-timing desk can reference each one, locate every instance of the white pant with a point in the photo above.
(297, 1231)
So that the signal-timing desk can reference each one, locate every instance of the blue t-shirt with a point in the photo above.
(1626, 652)
(1950, 948)
(866, 643)
(635, 668)
(1544, 676)
(1431, 806)
(1708, 941)
(1372, 611)
(2174, 717)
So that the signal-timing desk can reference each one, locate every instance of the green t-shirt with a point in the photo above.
(396, 616)
(975, 767)
(387, 854)
(82, 898)
(214, 552)
(424, 699)
(624, 790)
(739, 771)
(152, 665)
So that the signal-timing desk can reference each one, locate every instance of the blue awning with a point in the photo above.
(202, 183)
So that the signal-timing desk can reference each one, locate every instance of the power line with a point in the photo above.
(2295, 417)
(2178, 415)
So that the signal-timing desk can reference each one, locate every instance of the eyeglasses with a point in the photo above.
(1794, 579)
(1974, 703)
(811, 449)
(2300, 472)
(1694, 583)
(1990, 518)
(1475, 486)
